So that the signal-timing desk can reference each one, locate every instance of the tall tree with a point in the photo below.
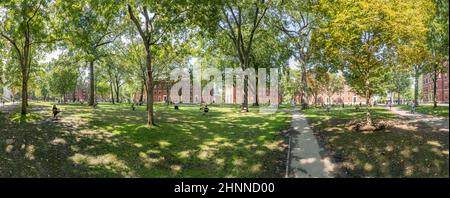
(241, 21)
(361, 38)
(155, 21)
(63, 80)
(400, 83)
(438, 43)
(332, 84)
(26, 27)
(296, 20)
(89, 26)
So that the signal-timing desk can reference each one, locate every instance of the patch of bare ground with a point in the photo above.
(362, 125)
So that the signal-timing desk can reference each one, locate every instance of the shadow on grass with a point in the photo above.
(112, 141)
(409, 149)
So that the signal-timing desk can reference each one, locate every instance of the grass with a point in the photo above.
(412, 150)
(113, 141)
(440, 111)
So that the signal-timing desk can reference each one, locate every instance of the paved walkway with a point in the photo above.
(305, 159)
(440, 123)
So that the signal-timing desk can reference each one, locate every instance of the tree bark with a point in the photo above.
(24, 94)
(112, 92)
(305, 88)
(416, 89)
(368, 113)
(74, 98)
(146, 38)
(117, 92)
(141, 97)
(150, 119)
(244, 107)
(91, 83)
(435, 76)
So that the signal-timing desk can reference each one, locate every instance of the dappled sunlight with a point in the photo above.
(150, 159)
(113, 141)
(407, 149)
(108, 161)
(58, 141)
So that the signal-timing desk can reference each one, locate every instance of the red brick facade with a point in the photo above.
(160, 92)
(346, 96)
(441, 90)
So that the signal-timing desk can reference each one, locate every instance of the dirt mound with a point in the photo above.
(362, 125)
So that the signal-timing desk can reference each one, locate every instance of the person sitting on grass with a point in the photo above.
(55, 111)
(176, 107)
(205, 109)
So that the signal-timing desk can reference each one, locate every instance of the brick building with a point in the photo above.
(160, 92)
(80, 94)
(346, 96)
(441, 87)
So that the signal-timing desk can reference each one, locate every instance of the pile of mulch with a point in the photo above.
(361, 125)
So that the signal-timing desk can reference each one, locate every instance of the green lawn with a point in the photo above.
(113, 141)
(441, 111)
(412, 150)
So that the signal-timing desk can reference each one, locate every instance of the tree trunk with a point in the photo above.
(74, 96)
(435, 76)
(24, 94)
(398, 99)
(150, 118)
(416, 89)
(117, 92)
(91, 83)
(244, 107)
(257, 94)
(305, 88)
(141, 97)
(315, 100)
(368, 113)
(112, 92)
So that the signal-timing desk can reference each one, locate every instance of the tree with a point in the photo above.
(400, 83)
(159, 21)
(362, 38)
(26, 27)
(89, 26)
(438, 43)
(332, 84)
(241, 20)
(63, 80)
(296, 21)
(316, 80)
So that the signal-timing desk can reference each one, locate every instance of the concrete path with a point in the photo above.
(305, 159)
(440, 123)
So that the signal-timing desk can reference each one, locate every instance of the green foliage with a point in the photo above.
(63, 78)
